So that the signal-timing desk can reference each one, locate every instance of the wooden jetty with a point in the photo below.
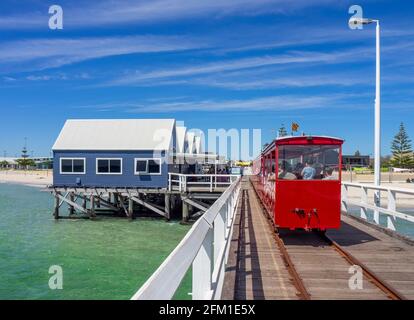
(194, 194)
(263, 264)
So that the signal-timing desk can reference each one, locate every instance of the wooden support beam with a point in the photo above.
(84, 202)
(130, 208)
(185, 211)
(148, 205)
(116, 204)
(57, 205)
(107, 204)
(61, 202)
(92, 209)
(72, 199)
(121, 201)
(196, 204)
(167, 198)
(74, 204)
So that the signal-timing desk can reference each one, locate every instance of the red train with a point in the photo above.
(298, 180)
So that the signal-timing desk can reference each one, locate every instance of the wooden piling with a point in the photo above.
(72, 208)
(167, 206)
(92, 209)
(56, 211)
(130, 208)
(84, 202)
(185, 211)
(116, 201)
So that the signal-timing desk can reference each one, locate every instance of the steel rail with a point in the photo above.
(297, 280)
(389, 290)
(385, 287)
(290, 266)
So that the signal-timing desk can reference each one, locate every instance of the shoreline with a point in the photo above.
(38, 179)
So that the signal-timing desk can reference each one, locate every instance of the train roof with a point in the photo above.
(303, 140)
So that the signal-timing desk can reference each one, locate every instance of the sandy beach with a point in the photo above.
(38, 178)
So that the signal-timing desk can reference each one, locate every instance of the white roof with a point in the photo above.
(180, 133)
(9, 160)
(119, 134)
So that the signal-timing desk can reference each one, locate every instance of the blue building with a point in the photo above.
(132, 153)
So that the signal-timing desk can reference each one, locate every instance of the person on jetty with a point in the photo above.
(308, 172)
(328, 174)
(285, 172)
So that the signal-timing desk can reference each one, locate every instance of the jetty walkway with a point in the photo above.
(235, 252)
(265, 264)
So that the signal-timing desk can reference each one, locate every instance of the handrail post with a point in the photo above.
(169, 181)
(377, 195)
(364, 200)
(344, 202)
(211, 183)
(228, 207)
(202, 271)
(392, 205)
(219, 232)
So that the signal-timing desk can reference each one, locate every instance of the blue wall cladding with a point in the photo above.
(127, 179)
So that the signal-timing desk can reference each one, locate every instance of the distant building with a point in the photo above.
(355, 160)
(129, 153)
(41, 162)
(11, 163)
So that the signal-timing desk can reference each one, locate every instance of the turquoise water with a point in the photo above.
(403, 227)
(105, 259)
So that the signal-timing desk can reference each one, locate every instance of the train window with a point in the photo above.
(315, 162)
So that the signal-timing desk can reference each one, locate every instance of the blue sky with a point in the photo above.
(214, 64)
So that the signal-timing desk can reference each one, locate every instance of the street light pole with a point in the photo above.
(377, 163)
(377, 130)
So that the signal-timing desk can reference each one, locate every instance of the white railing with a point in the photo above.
(390, 211)
(181, 182)
(205, 247)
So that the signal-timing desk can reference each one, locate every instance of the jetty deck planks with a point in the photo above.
(255, 269)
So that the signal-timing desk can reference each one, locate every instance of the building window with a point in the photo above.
(72, 165)
(147, 166)
(109, 166)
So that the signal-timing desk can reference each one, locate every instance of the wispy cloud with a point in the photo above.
(295, 80)
(109, 12)
(291, 58)
(269, 103)
(40, 54)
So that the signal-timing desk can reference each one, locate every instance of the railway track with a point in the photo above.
(325, 243)
(388, 290)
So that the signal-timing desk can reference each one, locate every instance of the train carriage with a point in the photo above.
(298, 180)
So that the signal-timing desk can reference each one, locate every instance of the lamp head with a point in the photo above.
(361, 21)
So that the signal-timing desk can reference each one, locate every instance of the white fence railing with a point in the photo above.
(181, 182)
(390, 211)
(205, 247)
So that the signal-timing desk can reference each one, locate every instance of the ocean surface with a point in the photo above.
(105, 259)
(403, 227)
